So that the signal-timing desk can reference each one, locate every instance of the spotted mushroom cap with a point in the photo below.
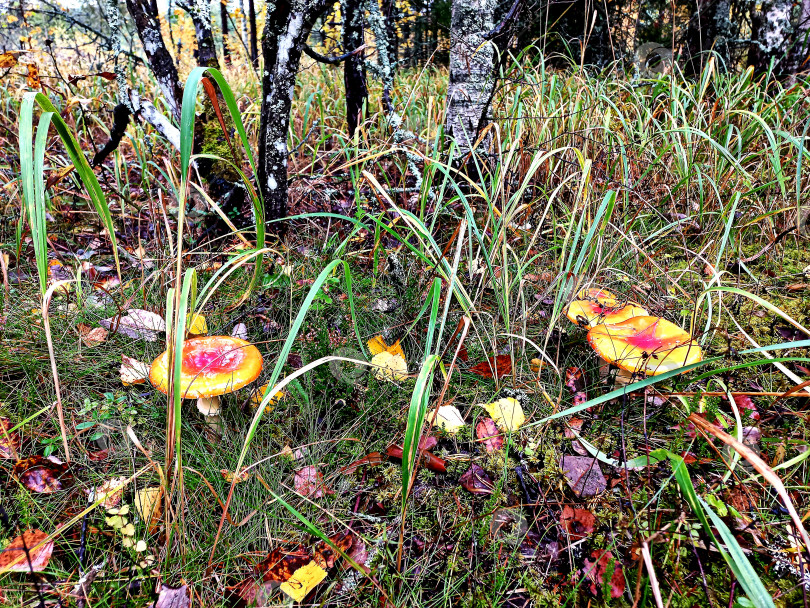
(212, 365)
(598, 306)
(651, 345)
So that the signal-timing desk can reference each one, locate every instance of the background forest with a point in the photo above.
(397, 303)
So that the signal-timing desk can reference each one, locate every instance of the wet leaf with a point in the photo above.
(597, 572)
(26, 553)
(309, 482)
(449, 419)
(507, 413)
(500, 364)
(577, 523)
(325, 556)
(173, 597)
(133, 371)
(44, 476)
(489, 435)
(303, 580)
(583, 475)
(476, 480)
(280, 564)
(428, 460)
(10, 441)
(137, 324)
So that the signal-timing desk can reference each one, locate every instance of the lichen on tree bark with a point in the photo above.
(472, 71)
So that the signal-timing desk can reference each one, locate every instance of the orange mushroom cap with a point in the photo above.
(651, 345)
(212, 365)
(594, 306)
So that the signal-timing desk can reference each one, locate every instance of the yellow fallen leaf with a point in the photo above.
(257, 397)
(303, 580)
(389, 367)
(229, 476)
(449, 418)
(377, 345)
(506, 413)
(147, 503)
(196, 325)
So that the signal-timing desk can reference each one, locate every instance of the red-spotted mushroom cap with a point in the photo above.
(594, 306)
(212, 366)
(651, 345)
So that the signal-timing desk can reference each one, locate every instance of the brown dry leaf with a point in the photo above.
(488, 434)
(136, 323)
(577, 523)
(500, 364)
(44, 476)
(476, 480)
(171, 597)
(92, 336)
(280, 564)
(229, 476)
(33, 76)
(15, 557)
(10, 441)
(325, 556)
(8, 60)
(372, 459)
(309, 482)
(110, 492)
(133, 371)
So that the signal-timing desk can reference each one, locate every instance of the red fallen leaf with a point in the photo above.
(577, 523)
(575, 424)
(372, 459)
(744, 402)
(14, 558)
(575, 381)
(10, 442)
(325, 556)
(476, 480)
(173, 597)
(359, 554)
(428, 443)
(488, 434)
(429, 461)
(309, 482)
(100, 455)
(502, 364)
(41, 475)
(584, 475)
(280, 564)
(595, 572)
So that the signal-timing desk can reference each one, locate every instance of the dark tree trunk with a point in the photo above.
(354, 68)
(223, 17)
(145, 15)
(287, 26)
(206, 48)
(254, 39)
(709, 30)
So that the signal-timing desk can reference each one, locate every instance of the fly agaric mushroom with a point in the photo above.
(651, 345)
(594, 306)
(211, 366)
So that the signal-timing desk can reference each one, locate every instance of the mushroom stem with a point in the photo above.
(209, 407)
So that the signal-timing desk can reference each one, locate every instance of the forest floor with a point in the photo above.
(675, 195)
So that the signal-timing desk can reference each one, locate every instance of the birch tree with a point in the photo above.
(472, 71)
(770, 32)
(799, 56)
